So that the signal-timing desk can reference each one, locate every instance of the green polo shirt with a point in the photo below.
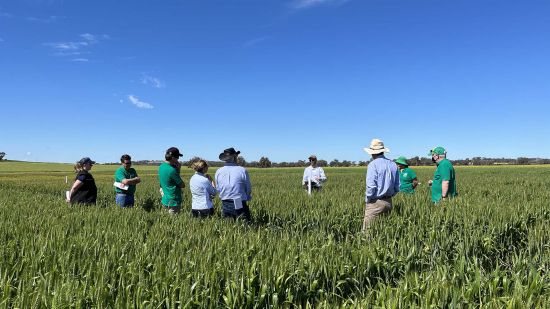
(444, 171)
(120, 174)
(406, 177)
(169, 182)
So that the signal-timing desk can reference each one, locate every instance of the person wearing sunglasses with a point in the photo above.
(126, 179)
(314, 175)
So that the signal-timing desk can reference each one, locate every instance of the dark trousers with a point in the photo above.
(202, 213)
(229, 211)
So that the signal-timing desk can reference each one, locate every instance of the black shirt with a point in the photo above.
(87, 193)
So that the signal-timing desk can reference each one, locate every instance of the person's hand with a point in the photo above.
(161, 192)
(430, 182)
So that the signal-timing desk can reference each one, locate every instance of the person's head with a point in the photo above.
(313, 160)
(84, 164)
(172, 155)
(126, 161)
(200, 166)
(438, 153)
(229, 155)
(376, 148)
(401, 162)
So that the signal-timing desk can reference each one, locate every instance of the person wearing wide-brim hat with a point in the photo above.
(83, 191)
(407, 177)
(233, 185)
(444, 181)
(382, 183)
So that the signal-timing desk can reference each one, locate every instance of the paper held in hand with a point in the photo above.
(68, 195)
(120, 185)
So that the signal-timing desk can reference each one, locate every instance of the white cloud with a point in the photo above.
(306, 4)
(80, 60)
(29, 153)
(153, 81)
(139, 104)
(254, 42)
(73, 48)
(47, 20)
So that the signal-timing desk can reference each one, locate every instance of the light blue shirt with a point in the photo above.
(233, 182)
(382, 179)
(202, 192)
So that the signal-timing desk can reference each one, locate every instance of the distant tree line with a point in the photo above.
(2, 155)
(265, 162)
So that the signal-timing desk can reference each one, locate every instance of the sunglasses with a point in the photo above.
(127, 163)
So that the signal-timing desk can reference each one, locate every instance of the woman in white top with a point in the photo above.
(313, 173)
(203, 190)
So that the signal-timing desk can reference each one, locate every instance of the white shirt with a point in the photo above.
(201, 191)
(316, 174)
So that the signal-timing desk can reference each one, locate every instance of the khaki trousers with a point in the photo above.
(373, 210)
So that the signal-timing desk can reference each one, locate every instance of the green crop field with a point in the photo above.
(489, 247)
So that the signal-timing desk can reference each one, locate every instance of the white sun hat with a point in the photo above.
(376, 147)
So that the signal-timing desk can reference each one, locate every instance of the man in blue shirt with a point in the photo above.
(233, 184)
(382, 182)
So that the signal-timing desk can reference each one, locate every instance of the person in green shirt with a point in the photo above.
(444, 181)
(126, 179)
(170, 181)
(407, 177)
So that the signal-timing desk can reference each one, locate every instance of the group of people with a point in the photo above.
(231, 183)
(385, 178)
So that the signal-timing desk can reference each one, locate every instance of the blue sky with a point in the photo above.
(282, 79)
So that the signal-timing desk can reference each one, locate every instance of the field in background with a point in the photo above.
(488, 247)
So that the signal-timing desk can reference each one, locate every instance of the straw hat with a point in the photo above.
(376, 147)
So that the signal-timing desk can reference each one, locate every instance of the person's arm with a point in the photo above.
(131, 181)
(304, 179)
(247, 185)
(371, 184)
(175, 176)
(444, 188)
(76, 185)
(414, 179)
(322, 176)
(210, 187)
(445, 178)
(415, 183)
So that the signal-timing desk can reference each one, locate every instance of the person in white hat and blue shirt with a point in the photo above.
(382, 183)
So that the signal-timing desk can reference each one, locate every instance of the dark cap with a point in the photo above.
(86, 160)
(174, 152)
(228, 153)
(312, 158)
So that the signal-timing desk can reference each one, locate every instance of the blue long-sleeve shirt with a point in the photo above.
(382, 179)
(202, 192)
(232, 181)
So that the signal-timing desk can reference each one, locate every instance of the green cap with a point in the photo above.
(438, 151)
(401, 160)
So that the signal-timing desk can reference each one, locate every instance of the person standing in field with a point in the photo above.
(83, 190)
(382, 183)
(407, 177)
(315, 174)
(170, 181)
(127, 176)
(444, 181)
(203, 190)
(234, 186)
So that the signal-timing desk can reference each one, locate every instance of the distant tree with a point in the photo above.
(334, 163)
(362, 163)
(522, 161)
(301, 163)
(191, 161)
(2, 155)
(241, 161)
(322, 163)
(264, 162)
